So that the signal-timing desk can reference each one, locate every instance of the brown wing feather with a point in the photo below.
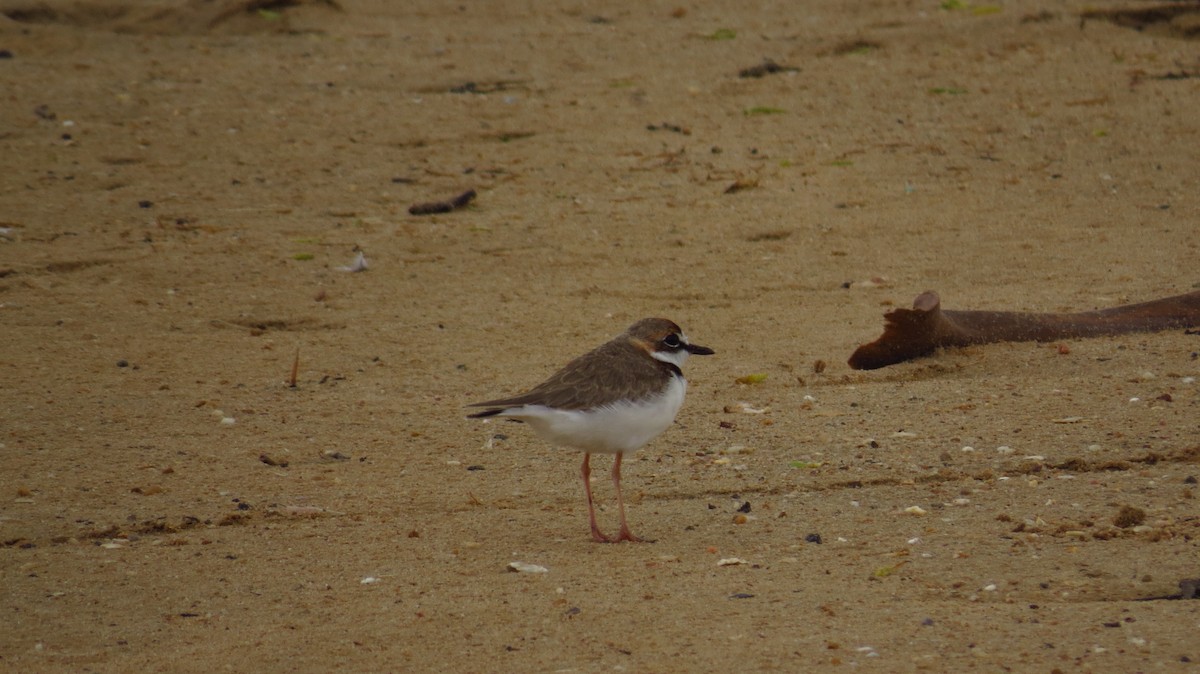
(598, 377)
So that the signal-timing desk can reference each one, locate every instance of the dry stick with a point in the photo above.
(446, 206)
(295, 369)
(916, 332)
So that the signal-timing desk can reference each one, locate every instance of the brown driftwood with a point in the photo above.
(916, 332)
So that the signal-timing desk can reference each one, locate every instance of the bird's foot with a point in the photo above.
(627, 535)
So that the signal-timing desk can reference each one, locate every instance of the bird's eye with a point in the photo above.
(671, 340)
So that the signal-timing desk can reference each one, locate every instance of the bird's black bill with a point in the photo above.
(696, 350)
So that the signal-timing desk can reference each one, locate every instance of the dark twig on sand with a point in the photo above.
(916, 332)
(431, 207)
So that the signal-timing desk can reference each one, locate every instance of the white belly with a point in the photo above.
(612, 429)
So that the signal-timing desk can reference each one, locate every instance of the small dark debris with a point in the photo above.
(244, 506)
(741, 186)
(727, 424)
(1129, 516)
(1039, 17)
(667, 126)
(1189, 588)
(433, 207)
(856, 47)
(767, 67)
(745, 507)
(741, 595)
(927, 622)
(499, 436)
(771, 235)
(813, 538)
(5, 54)
(574, 610)
(1181, 75)
(122, 363)
(272, 462)
(1112, 624)
(1190, 479)
(189, 615)
(401, 180)
(475, 467)
(145, 203)
(484, 87)
(44, 112)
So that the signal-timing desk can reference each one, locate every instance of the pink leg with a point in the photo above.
(626, 534)
(587, 488)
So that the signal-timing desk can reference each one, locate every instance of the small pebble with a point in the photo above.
(916, 510)
(525, 567)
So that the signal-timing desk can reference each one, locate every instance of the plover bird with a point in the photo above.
(611, 400)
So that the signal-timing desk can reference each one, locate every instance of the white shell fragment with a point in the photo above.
(731, 561)
(359, 264)
(526, 567)
(916, 510)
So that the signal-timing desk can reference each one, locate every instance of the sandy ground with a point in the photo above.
(182, 184)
